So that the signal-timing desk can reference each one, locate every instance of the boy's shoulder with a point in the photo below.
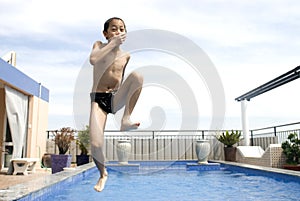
(126, 54)
(98, 44)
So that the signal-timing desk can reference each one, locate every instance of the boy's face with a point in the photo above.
(115, 28)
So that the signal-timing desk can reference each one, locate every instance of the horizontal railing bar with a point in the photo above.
(165, 131)
(272, 127)
(156, 132)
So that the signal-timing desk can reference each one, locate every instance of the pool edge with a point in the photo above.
(34, 188)
(37, 187)
(262, 168)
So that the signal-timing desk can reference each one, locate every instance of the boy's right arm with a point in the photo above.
(100, 50)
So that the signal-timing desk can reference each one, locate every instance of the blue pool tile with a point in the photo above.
(203, 167)
(128, 168)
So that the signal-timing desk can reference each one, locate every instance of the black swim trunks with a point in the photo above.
(104, 100)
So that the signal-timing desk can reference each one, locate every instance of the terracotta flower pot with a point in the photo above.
(46, 160)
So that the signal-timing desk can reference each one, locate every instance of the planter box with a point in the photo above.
(82, 159)
(59, 162)
(292, 167)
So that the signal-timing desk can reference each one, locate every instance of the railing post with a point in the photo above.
(275, 131)
(153, 135)
(251, 133)
(203, 135)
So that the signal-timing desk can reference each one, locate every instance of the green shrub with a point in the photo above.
(291, 149)
(83, 140)
(229, 139)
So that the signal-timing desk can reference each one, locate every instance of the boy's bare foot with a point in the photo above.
(127, 125)
(101, 182)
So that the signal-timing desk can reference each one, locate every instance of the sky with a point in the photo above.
(247, 42)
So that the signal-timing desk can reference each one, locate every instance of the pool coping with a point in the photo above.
(262, 168)
(38, 186)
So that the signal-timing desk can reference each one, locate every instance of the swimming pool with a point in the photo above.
(155, 181)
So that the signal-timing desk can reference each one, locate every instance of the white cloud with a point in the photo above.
(250, 42)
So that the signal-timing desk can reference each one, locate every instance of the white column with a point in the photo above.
(245, 123)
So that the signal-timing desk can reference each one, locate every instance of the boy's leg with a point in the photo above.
(128, 95)
(97, 125)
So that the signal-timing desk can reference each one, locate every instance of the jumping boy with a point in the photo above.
(109, 92)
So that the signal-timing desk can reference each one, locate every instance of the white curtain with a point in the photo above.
(17, 112)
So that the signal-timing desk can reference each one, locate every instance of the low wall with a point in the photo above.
(272, 157)
(150, 149)
(174, 148)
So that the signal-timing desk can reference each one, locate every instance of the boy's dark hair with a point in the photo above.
(106, 24)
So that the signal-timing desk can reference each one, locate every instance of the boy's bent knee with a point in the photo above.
(96, 144)
(137, 77)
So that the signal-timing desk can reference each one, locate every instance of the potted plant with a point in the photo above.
(63, 139)
(229, 139)
(83, 142)
(291, 149)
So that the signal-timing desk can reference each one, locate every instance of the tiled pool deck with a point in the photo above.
(46, 184)
(11, 180)
(34, 188)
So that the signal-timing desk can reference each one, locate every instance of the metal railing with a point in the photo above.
(161, 134)
(281, 132)
(153, 144)
(178, 145)
(154, 134)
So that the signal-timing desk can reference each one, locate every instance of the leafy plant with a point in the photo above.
(63, 139)
(83, 149)
(229, 139)
(291, 149)
(83, 140)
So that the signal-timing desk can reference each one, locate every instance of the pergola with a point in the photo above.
(278, 81)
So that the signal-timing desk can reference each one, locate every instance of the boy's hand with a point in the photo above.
(118, 39)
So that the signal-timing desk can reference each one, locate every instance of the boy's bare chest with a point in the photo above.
(114, 60)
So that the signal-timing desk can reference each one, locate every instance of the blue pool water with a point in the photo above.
(177, 183)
